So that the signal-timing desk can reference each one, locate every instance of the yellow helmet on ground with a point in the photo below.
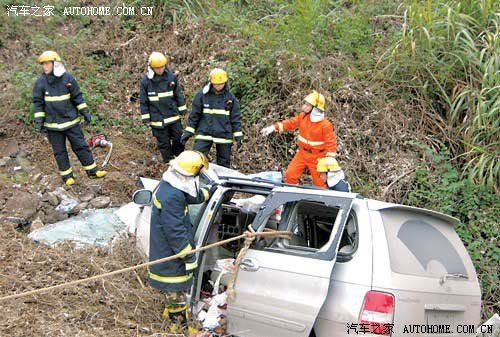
(49, 56)
(157, 60)
(316, 99)
(328, 164)
(218, 76)
(190, 163)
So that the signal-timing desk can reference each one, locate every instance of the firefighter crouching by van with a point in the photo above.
(162, 102)
(171, 233)
(215, 118)
(58, 102)
(331, 173)
(316, 139)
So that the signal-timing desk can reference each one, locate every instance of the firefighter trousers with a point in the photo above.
(223, 151)
(169, 141)
(299, 163)
(77, 141)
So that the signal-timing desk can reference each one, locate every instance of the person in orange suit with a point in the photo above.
(316, 139)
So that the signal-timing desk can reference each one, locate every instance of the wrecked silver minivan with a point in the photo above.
(352, 266)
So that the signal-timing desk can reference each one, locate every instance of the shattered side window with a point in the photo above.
(314, 222)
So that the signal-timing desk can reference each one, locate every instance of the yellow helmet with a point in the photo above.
(157, 60)
(327, 164)
(49, 56)
(190, 163)
(316, 99)
(218, 76)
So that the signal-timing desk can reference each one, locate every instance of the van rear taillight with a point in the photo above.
(377, 313)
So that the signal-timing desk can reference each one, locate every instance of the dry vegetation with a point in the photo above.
(376, 128)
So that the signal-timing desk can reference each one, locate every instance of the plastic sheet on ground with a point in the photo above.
(136, 219)
(93, 227)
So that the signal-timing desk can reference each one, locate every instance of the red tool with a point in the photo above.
(101, 141)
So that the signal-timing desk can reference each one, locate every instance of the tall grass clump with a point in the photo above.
(448, 53)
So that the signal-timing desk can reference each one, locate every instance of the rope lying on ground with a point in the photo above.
(249, 236)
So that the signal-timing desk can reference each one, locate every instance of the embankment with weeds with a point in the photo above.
(395, 74)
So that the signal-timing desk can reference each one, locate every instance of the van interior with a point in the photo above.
(311, 224)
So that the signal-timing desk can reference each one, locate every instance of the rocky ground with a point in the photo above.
(32, 195)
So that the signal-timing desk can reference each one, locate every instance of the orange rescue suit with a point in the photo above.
(316, 140)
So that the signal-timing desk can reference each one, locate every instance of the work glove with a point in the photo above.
(238, 143)
(185, 136)
(87, 118)
(267, 130)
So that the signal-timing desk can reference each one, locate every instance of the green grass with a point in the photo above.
(449, 52)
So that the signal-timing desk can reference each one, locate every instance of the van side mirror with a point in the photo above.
(142, 197)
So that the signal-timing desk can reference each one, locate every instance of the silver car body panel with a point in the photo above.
(285, 289)
(349, 283)
(283, 296)
(425, 298)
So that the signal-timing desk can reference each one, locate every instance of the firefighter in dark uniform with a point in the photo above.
(162, 102)
(215, 118)
(171, 233)
(58, 102)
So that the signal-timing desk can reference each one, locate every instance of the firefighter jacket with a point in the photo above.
(171, 232)
(313, 137)
(161, 100)
(58, 100)
(215, 116)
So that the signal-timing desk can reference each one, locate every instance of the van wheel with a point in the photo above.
(312, 334)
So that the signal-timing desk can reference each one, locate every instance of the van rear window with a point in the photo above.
(422, 245)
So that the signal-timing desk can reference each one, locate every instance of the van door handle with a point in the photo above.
(249, 265)
(445, 307)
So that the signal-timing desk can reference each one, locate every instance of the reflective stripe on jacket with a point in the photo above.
(215, 116)
(317, 137)
(171, 232)
(161, 99)
(58, 101)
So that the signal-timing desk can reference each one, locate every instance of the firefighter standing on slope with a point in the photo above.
(58, 102)
(316, 139)
(215, 118)
(171, 233)
(162, 101)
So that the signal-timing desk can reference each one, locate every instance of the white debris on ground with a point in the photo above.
(490, 328)
(211, 309)
(91, 227)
